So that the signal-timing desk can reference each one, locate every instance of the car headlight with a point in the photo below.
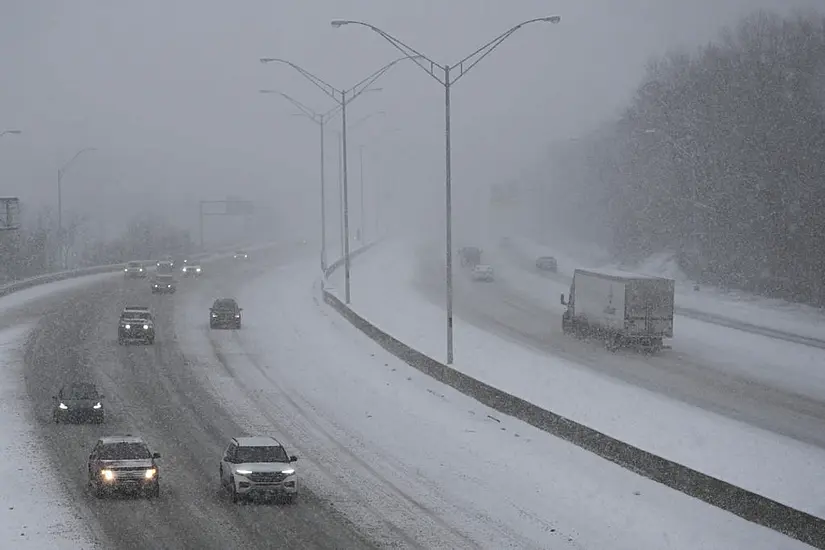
(107, 475)
(145, 327)
(97, 405)
(288, 472)
(168, 286)
(150, 473)
(198, 270)
(141, 269)
(237, 316)
(214, 315)
(126, 270)
(127, 327)
(63, 407)
(243, 472)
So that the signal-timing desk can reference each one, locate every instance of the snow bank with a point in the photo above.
(34, 514)
(759, 461)
(738, 306)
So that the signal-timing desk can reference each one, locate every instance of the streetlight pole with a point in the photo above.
(447, 81)
(343, 97)
(361, 175)
(353, 126)
(60, 172)
(321, 120)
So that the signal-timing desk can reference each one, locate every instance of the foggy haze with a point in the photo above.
(167, 92)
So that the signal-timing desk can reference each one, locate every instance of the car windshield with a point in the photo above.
(142, 315)
(224, 304)
(261, 454)
(80, 391)
(134, 264)
(165, 279)
(125, 451)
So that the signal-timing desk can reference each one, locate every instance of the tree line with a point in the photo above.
(719, 158)
(35, 248)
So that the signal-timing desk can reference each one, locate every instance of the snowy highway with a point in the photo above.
(388, 457)
(152, 391)
(773, 385)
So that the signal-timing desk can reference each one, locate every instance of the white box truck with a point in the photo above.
(626, 309)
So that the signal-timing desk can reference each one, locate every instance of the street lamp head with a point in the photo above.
(14, 132)
(552, 19)
(339, 23)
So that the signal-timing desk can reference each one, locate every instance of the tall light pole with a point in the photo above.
(361, 193)
(446, 80)
(60, 172)
(321, 120)
(353, 126)
(343, 97)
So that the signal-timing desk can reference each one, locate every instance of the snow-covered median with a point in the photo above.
(762, 462)
(34, 513)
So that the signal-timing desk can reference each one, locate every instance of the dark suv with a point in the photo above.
(78, 402)
(225, 313)
(123, 462)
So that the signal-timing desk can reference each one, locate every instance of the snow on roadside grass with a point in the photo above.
(771, 465)
(34, 514)
(735, 305)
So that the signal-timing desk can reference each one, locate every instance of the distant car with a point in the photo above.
(165, 259)
(78, 402)
(225, 313)
(241, 255)
(134, 270)
(123, 462)
(165, 268)
(484, 273)
(136, 325)
(258, 467)
(469, 256)
(547, 263)
(164, 284)
(192, 270)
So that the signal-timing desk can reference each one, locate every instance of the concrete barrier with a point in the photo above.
(750, 506)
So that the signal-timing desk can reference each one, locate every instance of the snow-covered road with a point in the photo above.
(704, 415)
(730, 308)
(407, 458)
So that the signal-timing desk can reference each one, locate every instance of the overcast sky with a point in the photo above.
(166, 90)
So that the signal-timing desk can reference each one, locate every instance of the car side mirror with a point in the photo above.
(101, 397)
(54, 397)
(155, 455)
(240, 309)
(293, 458)
(563, 302)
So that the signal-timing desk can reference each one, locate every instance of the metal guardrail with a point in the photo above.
(746, 504)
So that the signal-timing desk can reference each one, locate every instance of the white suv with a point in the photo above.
(258, 466)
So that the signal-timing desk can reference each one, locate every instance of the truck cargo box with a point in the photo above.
(628, 308)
